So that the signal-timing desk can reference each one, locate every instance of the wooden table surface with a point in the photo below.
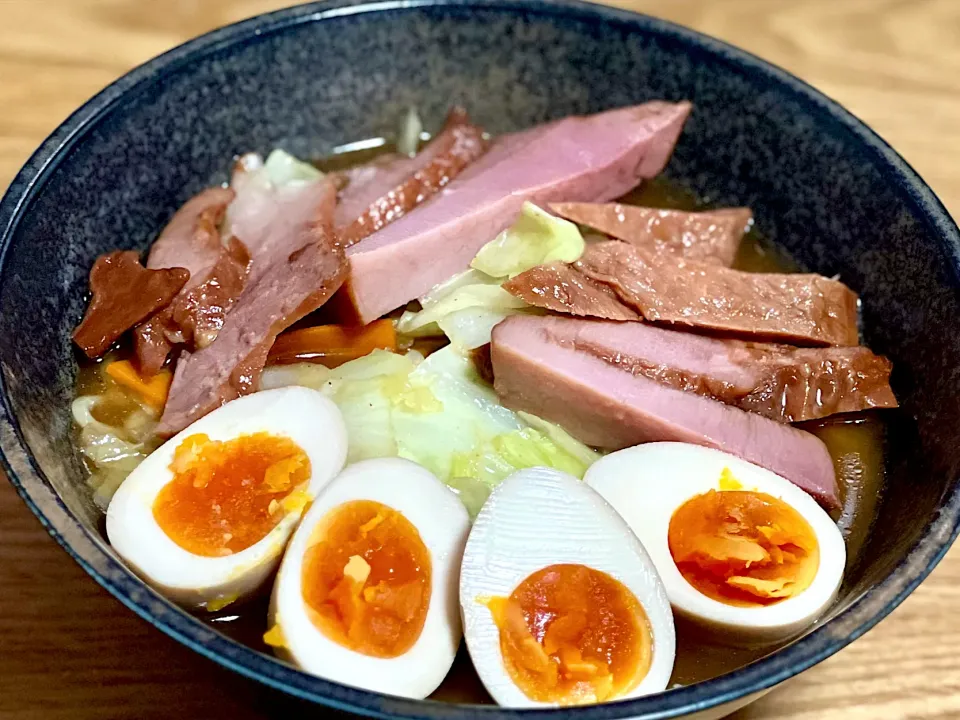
(68, 650)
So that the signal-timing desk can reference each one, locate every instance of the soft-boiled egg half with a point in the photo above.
(205, 518)
(561, 604)
(743, 552)
(367, 591)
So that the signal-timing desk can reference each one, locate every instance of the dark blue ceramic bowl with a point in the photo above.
(822, 185)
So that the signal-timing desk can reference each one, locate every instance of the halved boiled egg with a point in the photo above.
(205, 517)
(561, 604)
(743, 552)
(367, 592)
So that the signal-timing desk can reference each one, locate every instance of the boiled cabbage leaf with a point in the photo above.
(536, 238)
(283, 169)
(469, 305)
(439, 413)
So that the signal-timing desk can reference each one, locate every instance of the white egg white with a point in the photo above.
(304, 416)
(443, 524)
(647, 483)
(540, 517)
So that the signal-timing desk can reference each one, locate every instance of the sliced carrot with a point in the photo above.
(153, 391)
(333, 345)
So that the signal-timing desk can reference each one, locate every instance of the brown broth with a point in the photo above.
(116, 404)
(855, 443)
(348, 156)
(755, 254)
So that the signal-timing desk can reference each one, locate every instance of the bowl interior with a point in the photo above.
(824, 190)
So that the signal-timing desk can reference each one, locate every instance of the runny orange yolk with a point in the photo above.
(572, 635)
(743, 547)
(366, 579)
(225, 496)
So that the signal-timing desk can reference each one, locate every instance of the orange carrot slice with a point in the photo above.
(333, 345)
(153, 391)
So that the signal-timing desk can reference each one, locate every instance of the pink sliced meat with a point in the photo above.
(270, 220)
(387, 171)
(710, 237)
(562, 288)
(589, 159)
(217, 275)
(393, 188)
(781, 382)
(199, 312)
(799, 309)
(191, 239)
(297, 265)
(611, 408)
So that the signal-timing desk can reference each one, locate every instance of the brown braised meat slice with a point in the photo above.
(297, 264)
(217, 275)
(781, 382)
(124, 293)
(799, 309)
(395, 187)
(711, 237)
(564, 289)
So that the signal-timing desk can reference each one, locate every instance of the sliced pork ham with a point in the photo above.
(269, 219)
(710, 237)
(191, 238)
(296, 264)
(589, 159)
(609, 407)
(799, 309)
(781, 382)
(199, 310)
(351, 180)
(392, 188)
(217, 275)
(123, 294)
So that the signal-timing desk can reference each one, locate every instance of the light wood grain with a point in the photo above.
(68, 650)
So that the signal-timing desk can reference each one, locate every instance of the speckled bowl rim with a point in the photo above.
(90, 551)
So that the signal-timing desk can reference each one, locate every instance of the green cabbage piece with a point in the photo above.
(472, 327)
(363, 389)
(305, 374)
(439, 413)
(408, 141)
(471, 416)
(284, 169)
(536, 238)
(470, 289)
(411, 324)
(469, 305)
(112, 453)
(465, 308)
(477, 297)
(472, 493)
(458, 281)
(561, 438)
(366, 413)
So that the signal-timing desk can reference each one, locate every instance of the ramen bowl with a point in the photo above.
(823, 187)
